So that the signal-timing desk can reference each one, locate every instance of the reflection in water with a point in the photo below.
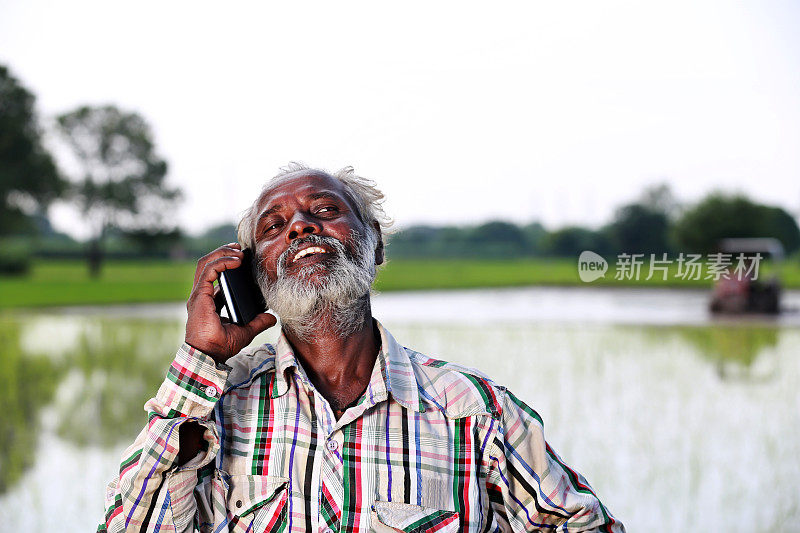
(733, 349)
(99, 381)
(649, 413)
(645, 416)
(27, 383)
(114, 368)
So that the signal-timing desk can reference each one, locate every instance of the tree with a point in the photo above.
(536, 236)
(643, 226)
(123, 180)
(29, 179)
(639, 229)
(659, 198)
(498, 239)
(719, 216)
(572, 240)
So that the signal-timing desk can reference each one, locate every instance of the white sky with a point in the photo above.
(462, 112)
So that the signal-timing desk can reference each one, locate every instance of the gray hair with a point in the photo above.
(361, 192)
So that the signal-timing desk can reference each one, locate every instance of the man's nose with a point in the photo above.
(301, 226)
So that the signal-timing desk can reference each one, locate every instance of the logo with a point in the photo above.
(591, 266)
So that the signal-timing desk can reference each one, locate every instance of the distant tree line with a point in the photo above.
(117, 181)
(120, 244)
(655, 223)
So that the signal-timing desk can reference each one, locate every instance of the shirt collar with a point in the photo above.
(392, 365)
(284, 360)
(399, 376)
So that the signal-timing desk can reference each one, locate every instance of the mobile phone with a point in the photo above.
(243, 297)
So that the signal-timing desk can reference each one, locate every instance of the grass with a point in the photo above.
(67, 283)
(472, 273)
(56, 283)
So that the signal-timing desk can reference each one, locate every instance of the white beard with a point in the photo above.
(340, 299)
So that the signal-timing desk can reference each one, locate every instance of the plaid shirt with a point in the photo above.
(430, 446)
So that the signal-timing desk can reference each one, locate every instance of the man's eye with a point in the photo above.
(327, 209)
(270, 227)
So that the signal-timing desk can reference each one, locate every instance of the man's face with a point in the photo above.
(316, 258)
(306, 205)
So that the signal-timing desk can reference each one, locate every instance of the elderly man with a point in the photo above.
(338, 427)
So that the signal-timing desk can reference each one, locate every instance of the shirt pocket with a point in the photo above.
(256, 503)
(393, 517)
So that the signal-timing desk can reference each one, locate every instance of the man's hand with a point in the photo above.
(205, 329)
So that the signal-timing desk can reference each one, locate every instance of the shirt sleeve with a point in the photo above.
(530, 488)
(151, 493)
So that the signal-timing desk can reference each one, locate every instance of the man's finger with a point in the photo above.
(213, 268)
(219, 299)
(231, 249)
(204, 285)
(260, 323)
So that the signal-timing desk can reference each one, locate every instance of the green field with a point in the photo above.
(67, 283)
(56, 283)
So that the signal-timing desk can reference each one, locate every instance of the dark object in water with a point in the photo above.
(744, 293)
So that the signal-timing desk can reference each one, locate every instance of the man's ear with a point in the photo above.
(380, 254)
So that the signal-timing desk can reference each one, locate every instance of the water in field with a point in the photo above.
(680, 422)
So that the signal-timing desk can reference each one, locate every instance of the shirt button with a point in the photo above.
(239, 504)
(327, 530)
(211, 390)
(332, 446)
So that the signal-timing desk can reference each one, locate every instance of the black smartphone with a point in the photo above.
(243, 298)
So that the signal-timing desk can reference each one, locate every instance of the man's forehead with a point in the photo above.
(302, 185)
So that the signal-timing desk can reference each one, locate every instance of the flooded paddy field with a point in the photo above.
(678, 420)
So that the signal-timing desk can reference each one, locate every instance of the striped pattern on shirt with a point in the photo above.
(430, 446)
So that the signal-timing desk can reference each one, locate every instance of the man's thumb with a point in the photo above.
(261, 323)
